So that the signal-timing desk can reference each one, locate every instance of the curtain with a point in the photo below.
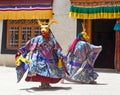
(95, 9)
(25, 9)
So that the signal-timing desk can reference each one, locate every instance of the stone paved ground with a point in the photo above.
(108, 84)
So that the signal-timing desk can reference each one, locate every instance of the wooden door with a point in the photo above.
(103, 34)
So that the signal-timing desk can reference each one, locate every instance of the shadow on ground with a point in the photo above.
(46, 89)
(77, 83)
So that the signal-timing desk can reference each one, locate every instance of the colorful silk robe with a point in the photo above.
(83, 53)
(43, 57)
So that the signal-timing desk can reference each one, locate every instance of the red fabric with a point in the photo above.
(25, 2)
(64, 67)
(71, 48)
(42, 79)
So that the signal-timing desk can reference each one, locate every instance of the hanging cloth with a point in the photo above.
(117, 45)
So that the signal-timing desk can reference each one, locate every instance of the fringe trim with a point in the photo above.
(32, 14)
(94, 12)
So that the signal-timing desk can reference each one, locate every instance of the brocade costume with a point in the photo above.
(83, 53)
(44, 66)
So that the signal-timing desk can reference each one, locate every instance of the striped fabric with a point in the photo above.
(20, 8)
(117, 45)
(25, 2)
(95, 9)
(26, 9)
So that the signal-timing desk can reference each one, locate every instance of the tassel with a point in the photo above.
(60, 63)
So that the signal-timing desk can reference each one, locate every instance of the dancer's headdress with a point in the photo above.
(83, 34)
(45, 26)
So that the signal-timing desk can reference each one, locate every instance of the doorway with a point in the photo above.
(103, 34)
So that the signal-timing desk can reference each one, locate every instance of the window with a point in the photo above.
(17, 32)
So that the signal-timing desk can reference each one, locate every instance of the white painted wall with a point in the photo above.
(64, 32)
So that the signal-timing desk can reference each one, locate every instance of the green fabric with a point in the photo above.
(112, 9)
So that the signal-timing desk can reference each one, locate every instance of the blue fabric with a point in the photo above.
(20, 70)
(87, 66)
(86, 53)
(79, 36)
(117, 27)
(44, 59)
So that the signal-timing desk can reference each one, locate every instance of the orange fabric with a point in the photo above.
(117, 51)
